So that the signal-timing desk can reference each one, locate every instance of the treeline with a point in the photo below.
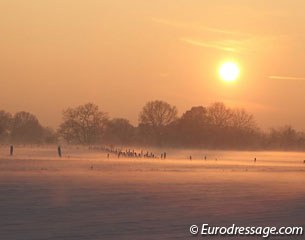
(213, 127)
(24, 127)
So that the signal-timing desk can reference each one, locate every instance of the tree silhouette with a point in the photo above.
(242, 120)
(119, 131)
(219, 115)
(5, 124)
(26, 128)
(84, 124)
(157, 114)
(193, 127)
(153, 120)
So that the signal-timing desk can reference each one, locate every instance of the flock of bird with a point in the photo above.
(127, 153)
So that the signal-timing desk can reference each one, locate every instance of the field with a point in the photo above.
(85, 195)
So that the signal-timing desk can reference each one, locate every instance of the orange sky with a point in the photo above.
(120, 54)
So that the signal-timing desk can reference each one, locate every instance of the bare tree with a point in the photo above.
(285, 137)
(157, 114)
(242, 120)
(154, 119)
(219, 115)
(83, 124)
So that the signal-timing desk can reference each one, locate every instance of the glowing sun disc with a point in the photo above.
(229, 71)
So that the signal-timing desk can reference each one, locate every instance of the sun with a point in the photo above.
(229, 71)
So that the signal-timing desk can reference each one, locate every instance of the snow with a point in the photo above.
(84, 195)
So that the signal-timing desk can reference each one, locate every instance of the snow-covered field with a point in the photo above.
(84, 195)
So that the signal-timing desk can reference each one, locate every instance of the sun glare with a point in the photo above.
(229, 71)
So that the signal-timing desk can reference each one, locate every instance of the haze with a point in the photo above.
(120, 54)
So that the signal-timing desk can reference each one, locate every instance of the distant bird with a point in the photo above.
(190, 157)
(254, 159)
(205, 157)
(304, 161)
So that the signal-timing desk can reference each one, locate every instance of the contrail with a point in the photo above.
(287, 78)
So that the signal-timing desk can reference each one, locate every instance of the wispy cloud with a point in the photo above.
(232, 41)
(221, 31)
(227, 46)
(287, 78)
(178, 24)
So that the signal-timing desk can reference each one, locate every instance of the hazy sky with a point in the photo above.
(121, 53)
